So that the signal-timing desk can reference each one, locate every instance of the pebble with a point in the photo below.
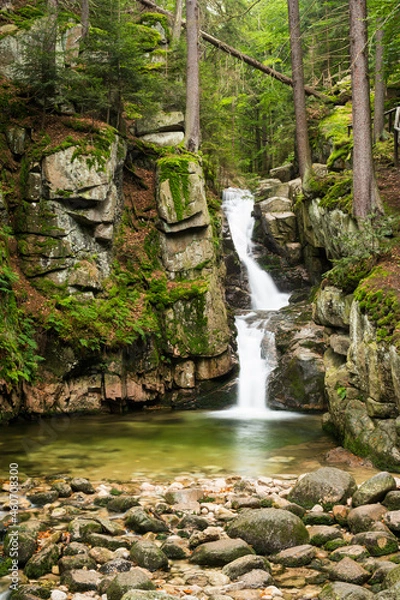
(225, 498)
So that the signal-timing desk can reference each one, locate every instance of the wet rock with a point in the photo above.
(121, 504)
(318, 518)
(149, 556)
(79, 561)
(193, 522)
(221, 552)
(139, 521)
(344, 591)
(81, 529)
(374, 489)
(64, 489)
(269, 530)
(111, 527)
(363, 517)
(326, 486)
(117, 565)
(298, 556)
(80, 580)
(175, 548)
(101, 555)
(80, 484)
(42, 563)
(108, 541)
(124, 582)
(74, 548)
(42, 498)
(244, 564)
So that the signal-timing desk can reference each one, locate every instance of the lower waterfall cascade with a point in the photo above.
(256, 345)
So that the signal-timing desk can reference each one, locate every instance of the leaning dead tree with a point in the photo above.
(310, 91)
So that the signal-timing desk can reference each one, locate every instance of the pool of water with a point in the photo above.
(162, 445)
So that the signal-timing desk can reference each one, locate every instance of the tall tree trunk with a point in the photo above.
(302, 139)
(365, 190)
(192, 117)
(379, 104)
(177, 26)
(85, 18)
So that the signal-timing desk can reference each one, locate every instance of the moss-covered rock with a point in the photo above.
(326, 486)
(269, 530)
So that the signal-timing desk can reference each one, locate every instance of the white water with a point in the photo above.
(256, 346)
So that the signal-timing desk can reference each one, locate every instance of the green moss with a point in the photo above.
(153, 19)
(175, 170)
(381, 305)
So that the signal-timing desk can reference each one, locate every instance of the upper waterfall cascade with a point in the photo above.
(255, 362)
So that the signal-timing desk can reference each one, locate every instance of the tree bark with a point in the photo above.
(241, 56)
(192, 117)
(177, 26)
(85, 18)
(365, 190)
(379, 104)
(302, 139)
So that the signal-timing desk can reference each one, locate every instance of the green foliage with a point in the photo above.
(338, 192)
(361, 251)
(19, 360)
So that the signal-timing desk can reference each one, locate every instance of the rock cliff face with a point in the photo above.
(345, 357)
(68, 227)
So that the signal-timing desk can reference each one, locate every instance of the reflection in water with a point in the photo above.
(162, 445)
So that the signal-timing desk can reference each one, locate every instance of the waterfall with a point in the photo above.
(256, 346)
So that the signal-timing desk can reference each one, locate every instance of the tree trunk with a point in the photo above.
(379, 104)
(192, 117)
(365, 191)
(85, 18)
(177, 26)
(240, 55)
(302, 140)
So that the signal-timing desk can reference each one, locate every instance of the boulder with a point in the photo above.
(148, 555)
(269, 530)
(298, 556)
(350, 571)
(80, 580)
(220, 552)
(326, 486)
(168, 138)
(140, 521)
(238, 567)
(339, 590)
(42, 562)
(363, 517)
(162, 121)
(378, 543)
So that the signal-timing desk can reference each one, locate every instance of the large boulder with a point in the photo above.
(269, 530)
(374, 489)
(327, 486)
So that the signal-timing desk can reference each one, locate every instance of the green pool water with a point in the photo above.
(162, 445)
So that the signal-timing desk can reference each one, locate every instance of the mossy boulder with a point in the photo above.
(42, 563)
(21, 539)
(269, 530)
(374, 489)
(148, 555)
(327, 486)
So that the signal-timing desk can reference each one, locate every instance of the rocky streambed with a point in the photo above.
(316, 536)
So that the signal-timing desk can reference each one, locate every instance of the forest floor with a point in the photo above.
(388, 178)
